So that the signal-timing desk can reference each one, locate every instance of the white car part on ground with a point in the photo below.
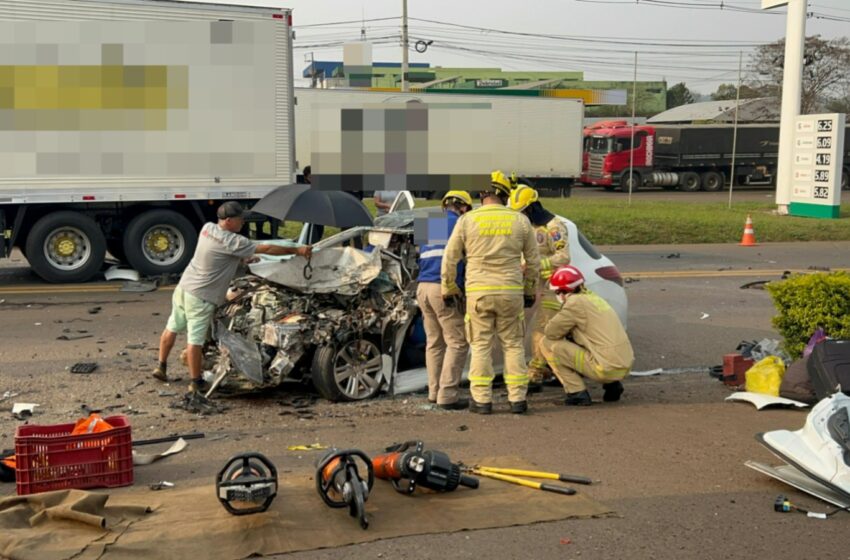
(821, 449)
(796, 479)
(761, 401)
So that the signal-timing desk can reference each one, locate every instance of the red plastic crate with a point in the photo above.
(50, 458)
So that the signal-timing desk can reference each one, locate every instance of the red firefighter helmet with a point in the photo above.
(566, 279)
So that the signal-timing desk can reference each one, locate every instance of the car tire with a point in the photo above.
(159, 242)
(336, 377)
(689, 182)
(712, 181)
(66, 247)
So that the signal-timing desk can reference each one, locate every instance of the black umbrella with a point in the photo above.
(301, 203)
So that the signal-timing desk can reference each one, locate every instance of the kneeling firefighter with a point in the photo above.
(585, 339)
(554, 249)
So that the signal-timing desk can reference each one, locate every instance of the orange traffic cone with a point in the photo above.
(749, 238)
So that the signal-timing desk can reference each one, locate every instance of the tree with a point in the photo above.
(826, 73)
(730, 91)
(679, 95)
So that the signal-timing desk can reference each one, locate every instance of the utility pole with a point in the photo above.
(792, 86)
(632, 142)
(735, 128)
(404, 43)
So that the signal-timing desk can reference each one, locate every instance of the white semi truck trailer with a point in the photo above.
(124, 123)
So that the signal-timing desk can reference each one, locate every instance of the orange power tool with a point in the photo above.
(340, 485)
(407, 465)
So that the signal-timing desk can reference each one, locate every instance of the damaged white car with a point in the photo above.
(337, 320)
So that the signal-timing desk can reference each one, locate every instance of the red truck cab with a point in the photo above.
(608, 154)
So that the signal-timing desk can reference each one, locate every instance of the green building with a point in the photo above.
(603, 98)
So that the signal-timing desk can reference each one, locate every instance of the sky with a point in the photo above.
(694, 41)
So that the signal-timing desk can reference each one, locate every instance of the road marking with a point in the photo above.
(721, 273)
(35, 289)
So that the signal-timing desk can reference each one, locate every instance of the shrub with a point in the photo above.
(808, 301)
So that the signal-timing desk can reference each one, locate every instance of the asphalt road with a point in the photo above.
(670, 454)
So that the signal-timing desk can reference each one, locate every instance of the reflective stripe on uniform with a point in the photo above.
(516, 379)
(537, 364)
(579, 360)
(492, 288)
(480, 380)
(432, 253)
(551, 305)
(545, 264)
(616, 373)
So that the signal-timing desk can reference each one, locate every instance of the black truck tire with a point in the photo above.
(689, 182)
(636, 181)
(327, 373)
(845, 180)
(159, 242)
(712, 181)
(66, 246)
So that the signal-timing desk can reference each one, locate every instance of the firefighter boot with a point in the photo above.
(578, 399)
(613, 391)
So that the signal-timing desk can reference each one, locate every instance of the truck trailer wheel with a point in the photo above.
(66, 247)
(712, 181)
(689, 182)
(159, 242)
(348, 372)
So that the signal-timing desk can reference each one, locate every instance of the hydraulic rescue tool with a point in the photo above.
(501, 474)
(340, 485)
(407, 465)
(247, 484)
(537, 474)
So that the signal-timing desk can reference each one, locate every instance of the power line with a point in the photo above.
(590, 39)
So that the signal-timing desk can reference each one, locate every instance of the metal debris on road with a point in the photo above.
(140, 286)
(74, 336)
(120, 273)
(162, 484)
(84, 367)
(757, 285)
(197, 403)
(129, 390)
(95, 310)
(23, 411)
(704, 316)
(8, 395)
(140, 460)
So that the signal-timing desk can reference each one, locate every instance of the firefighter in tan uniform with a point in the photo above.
(554, 249)
(494, 240)
(585, 339)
